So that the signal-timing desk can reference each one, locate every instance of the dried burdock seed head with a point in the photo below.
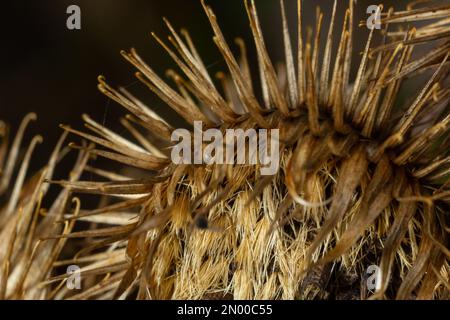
(26, 260)
(363, 178)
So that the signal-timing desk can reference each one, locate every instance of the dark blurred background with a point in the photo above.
(48, 69)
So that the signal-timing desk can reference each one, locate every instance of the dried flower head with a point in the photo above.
(363, 177)
(26, 260)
